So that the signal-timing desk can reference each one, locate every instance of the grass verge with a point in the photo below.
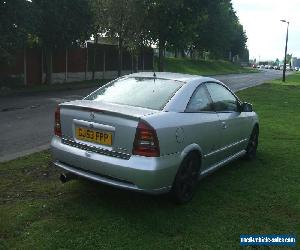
(292, 79)
(201, 67)
(259, 197)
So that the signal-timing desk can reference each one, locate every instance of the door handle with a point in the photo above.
(224, 125)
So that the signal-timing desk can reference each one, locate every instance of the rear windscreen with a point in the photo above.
(149, 93)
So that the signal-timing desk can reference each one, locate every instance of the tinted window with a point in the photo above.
(223, 99)
(200, 101)
(141, 92)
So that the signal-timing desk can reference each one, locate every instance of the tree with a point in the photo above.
(214, 28)
(14, 27)
(98, 10)
(183, 24)
(238, 40)
(161, 21)
(209, 26)
(202, 26)
(121, 19)
(60, 23)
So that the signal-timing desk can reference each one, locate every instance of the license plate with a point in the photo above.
(91, 135)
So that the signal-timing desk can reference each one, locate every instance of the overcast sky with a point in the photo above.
(266, 34)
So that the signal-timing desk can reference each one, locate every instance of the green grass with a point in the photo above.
(262, 196)
(293, 79)
(13, 88)
(201, 67)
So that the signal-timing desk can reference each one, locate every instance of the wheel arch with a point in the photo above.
(255, 126)
(176, 190)
(192, 148)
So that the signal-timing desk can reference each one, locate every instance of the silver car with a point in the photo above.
(154, 132)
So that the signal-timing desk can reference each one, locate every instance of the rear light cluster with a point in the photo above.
(145, 142)
(57, 125)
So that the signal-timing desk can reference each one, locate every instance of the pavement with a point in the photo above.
(26, 121)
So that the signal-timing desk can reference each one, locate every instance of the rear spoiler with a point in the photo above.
(98, 110)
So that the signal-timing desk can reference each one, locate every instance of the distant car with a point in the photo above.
(154, 133)
(261, 66)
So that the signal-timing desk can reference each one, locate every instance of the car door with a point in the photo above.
(226, 106)
(204, 129)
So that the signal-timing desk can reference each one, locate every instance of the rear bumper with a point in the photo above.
(144, 174)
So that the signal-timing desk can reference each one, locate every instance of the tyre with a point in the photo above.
(186, 179)
(252, 145)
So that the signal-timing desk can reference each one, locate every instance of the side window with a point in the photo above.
(200, 101)
(222, 98)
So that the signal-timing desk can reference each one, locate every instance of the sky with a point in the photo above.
(266, 34)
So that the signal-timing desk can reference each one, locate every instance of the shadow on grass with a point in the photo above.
(91, 195)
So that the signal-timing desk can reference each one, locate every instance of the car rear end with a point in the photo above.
(113, 143)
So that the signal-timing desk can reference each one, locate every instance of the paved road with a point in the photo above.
(242, 81)
(26, 122)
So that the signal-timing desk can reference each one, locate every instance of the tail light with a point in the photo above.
(145, 142)
(57, 125)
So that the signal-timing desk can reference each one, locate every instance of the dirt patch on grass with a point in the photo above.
(28, 182)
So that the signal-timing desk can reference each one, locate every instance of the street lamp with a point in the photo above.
(286, 42)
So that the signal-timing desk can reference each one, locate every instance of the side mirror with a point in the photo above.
(246, 107)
